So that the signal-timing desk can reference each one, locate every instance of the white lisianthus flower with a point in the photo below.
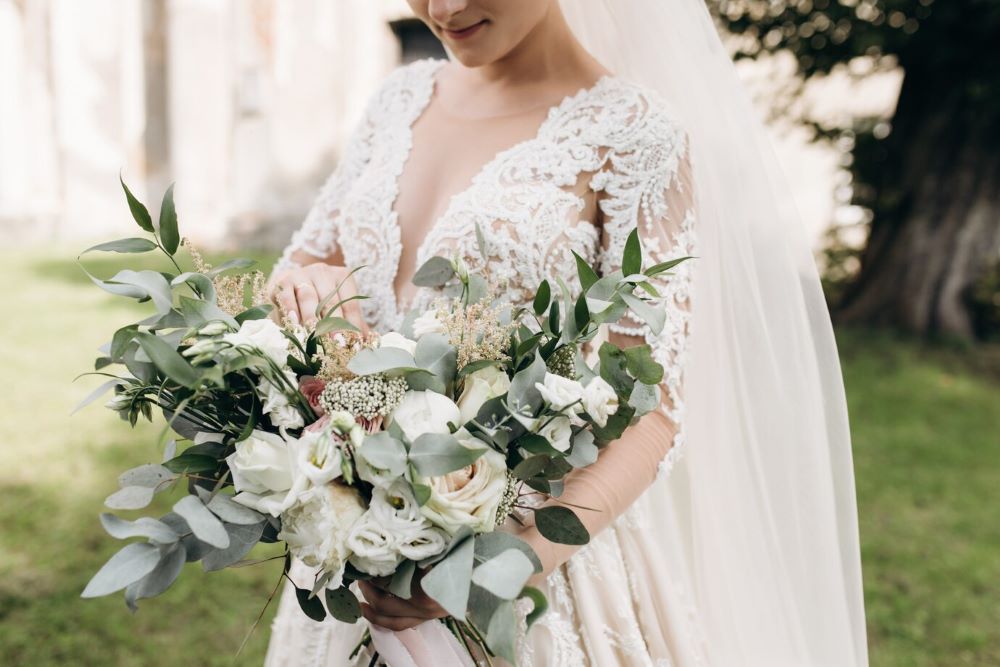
(393, 339)
(319, 457)
(600, 400)
(264, 335)
(264, 473)
(428, 323)
(276, 405)
(317, 525)
(470, 496)
(425, 412)
(373, 548)
(481, 386)
(561, 392)
(395, 509)
(558, 431)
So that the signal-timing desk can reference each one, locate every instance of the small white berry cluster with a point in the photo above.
(367, 396)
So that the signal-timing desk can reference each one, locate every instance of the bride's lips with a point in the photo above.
(465, 32)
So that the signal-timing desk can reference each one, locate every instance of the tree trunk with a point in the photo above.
(936, 226)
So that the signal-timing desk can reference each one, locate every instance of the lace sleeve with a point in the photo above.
(316, 238)
(650, 188)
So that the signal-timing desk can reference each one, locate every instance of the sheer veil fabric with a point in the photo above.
(758, 518)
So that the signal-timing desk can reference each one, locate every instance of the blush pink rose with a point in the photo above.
(311, 387)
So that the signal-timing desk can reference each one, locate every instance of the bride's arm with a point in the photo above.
(626, 467)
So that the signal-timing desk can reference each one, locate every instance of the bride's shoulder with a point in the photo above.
(634, 114)
(407, 78)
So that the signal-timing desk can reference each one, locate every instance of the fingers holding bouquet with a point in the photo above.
(318, 289)
(391, 611)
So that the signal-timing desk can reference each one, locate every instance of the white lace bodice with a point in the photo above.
(614, 138)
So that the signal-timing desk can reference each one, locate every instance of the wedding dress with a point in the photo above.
(612, 602)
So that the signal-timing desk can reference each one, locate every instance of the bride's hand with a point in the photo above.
(298, 291)
(393, 612)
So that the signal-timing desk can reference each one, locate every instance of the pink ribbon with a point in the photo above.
(429, 644)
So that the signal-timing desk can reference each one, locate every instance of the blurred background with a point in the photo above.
(884, 114)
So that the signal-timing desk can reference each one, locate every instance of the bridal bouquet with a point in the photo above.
(366, 455)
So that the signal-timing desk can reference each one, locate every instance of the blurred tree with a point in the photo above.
(931, 176)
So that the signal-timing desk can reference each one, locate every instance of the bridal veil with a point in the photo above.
(759, 518)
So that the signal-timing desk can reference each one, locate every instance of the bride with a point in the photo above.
(725, 529)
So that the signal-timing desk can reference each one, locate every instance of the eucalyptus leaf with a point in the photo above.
(522, 393)
(236, 263)
(644, 398)
(142, 527)
(227, 509)
(435, 272)
(133, 562)
(657, 269)
(654, 317)
(191, 462)
(641, 364)
(448, 582)
(343, 604)
(242, 538)
(384, 452)
(584, 451)
(381, 360)
(167, 570)
(130, 498)
(505, 574)
(435, 454)
(402, 580)
(489, 545)
(333, 323)
(311, 606)
(148, 474)
(205, 525)
(560, 525)
(501, 634)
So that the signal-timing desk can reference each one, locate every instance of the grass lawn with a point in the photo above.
(927, 451)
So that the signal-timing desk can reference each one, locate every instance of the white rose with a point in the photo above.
(264, 473)
(261, 463)
(600, 401)
(265, 335)
(558, 432)
(425, 412)
(470, 496)
(319, 457)
(317, 525)
(428, 323)
(560, 392)
(393, 339)
(481, 386)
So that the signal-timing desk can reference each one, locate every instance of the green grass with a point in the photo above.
(927, 453)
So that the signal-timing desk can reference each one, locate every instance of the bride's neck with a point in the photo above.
(550, 51)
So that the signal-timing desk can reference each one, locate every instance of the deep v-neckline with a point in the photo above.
(553, 112)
